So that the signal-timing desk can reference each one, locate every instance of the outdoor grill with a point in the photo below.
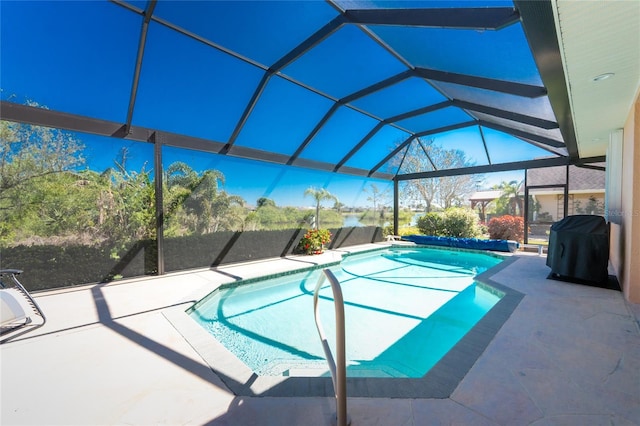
(579, 249)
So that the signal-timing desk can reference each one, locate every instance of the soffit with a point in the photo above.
(598, 37)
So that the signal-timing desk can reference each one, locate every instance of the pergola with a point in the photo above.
(482, 199)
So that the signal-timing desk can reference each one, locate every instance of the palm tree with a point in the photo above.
(510, 192)
(196, 197)
(319, 195)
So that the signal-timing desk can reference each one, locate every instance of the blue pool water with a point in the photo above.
(404, 308)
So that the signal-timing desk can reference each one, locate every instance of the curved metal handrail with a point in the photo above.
(339, 371)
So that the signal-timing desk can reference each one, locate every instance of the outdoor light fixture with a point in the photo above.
(603, 76)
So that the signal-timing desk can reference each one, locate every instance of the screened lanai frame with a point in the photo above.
(518, 89)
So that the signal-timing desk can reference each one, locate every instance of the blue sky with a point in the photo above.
(252, 179)
(249, 179)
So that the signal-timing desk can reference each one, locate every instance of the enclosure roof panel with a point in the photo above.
(350, 86)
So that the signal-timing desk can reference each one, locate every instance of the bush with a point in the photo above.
(403, 230)
(453, 222)
(408, 230)
(432, 224)
(461, 223)
(507, 228)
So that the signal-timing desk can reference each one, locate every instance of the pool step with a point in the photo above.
(307, 372)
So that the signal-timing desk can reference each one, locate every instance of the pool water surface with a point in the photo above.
(405, 308)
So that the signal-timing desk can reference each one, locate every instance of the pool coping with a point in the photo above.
(439, 382)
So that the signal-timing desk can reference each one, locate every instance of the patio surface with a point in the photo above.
(568, 355)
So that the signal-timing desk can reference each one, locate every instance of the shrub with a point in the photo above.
(507, 228)
(544, 217)
(453, 222)
(408, 230)
(403, 230)
(431, 224)
(461, 223)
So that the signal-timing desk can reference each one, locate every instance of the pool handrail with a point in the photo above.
(339, 371)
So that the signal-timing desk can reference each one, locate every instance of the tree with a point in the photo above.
(453, 190)
(46, 197)
(28, 153)
(251, 222)
(424, 156)
(338, 206)
(225, 213)
(126, 202)
(378, 198)
(319, 195)
(264, 202)
(427, 190)
(38, 166)
(510, 202)
(534, 208)
(194, 202)
(414, 162)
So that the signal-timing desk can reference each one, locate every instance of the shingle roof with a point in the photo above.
(579, 178)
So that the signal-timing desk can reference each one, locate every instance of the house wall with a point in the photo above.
(613, 212)
(549, 203)
(579, 203)
(625, 219)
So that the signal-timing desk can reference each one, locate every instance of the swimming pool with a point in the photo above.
(405, 308)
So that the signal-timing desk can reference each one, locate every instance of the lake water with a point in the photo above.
(352, 220)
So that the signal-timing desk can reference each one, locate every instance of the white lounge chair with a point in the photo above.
(19, 313)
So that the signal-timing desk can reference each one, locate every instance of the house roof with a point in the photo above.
(581, 179)
(485, 196)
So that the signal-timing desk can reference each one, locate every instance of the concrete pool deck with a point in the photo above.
(568, 354)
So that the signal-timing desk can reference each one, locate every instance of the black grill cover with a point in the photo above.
(579, 248)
